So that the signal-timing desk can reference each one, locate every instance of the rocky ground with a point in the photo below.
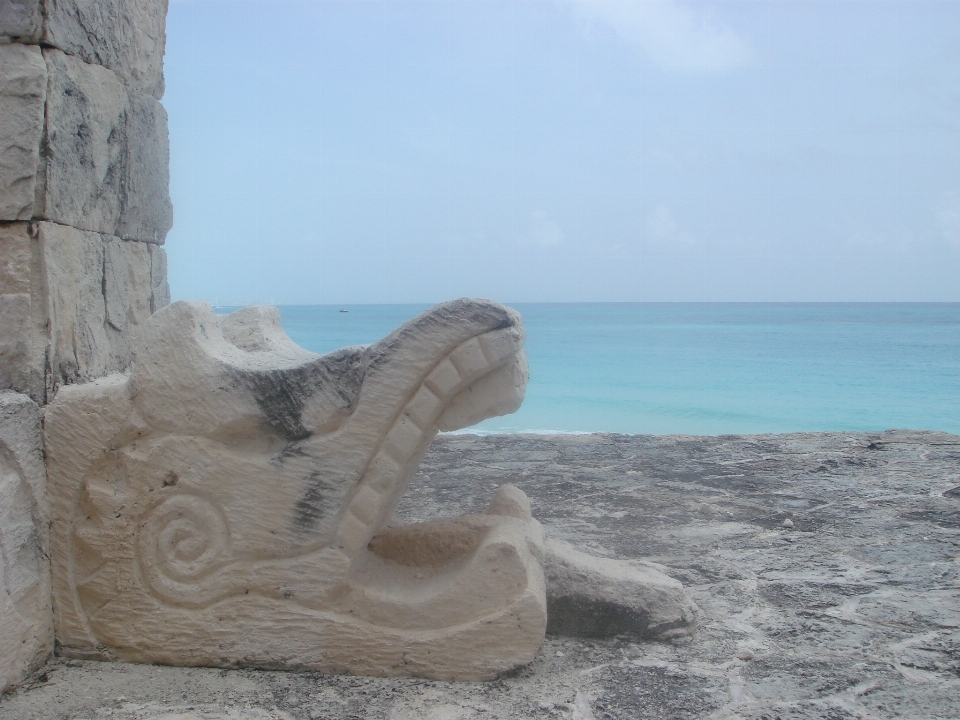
(825, 567)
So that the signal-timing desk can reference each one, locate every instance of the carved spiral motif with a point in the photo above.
(182, 540)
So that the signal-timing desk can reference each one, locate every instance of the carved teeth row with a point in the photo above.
(467, 362)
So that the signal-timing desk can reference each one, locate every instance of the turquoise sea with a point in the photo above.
(711, 368)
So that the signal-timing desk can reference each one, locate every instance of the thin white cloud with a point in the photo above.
(543, 231)
(659, 223)
(659, 227)
(675, 35)
(868, 237)
(948, 217)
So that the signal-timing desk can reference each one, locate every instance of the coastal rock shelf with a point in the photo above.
(824, 565)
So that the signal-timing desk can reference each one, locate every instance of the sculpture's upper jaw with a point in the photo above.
(230, 377)
(341, 434)
(464, 359)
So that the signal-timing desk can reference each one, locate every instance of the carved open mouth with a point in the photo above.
(237, 470)
(348, 433)
(481, 378)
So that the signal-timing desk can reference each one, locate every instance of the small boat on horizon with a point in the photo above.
(344, 310)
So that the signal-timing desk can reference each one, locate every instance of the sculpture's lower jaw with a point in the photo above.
(469, 616)
(246, 633)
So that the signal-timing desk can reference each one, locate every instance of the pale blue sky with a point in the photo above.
(345, 152)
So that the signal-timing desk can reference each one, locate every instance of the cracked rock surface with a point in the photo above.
(824, 566)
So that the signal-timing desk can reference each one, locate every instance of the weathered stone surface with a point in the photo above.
(126, 36)
(159, 287)
(128, 296)
(115, 276)
(21, 20)
(105, 158)
(850, 613)
(127, 286)
(26, 627)
(71, 304)
(23, 81)
(73, 263)
(590, 596)
(230, 504)
(23, 318)
(146, 212)
(84, 156)
(99, 295)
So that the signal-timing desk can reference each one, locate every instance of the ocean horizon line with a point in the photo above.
(480, 432)
(226, 305)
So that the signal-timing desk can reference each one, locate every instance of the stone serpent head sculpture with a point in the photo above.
(229, 501)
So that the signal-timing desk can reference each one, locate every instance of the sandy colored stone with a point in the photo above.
(21, 20)
(229, 505)
(26, 628)
(23, 80)
(116, 272)
(23, 319)
(126, 36)
(106, 154)
(127, 295)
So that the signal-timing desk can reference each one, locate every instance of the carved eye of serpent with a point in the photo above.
(181, 540)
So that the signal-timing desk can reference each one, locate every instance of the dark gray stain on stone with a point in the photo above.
(581, 616)
(333, 380)
(320, 501)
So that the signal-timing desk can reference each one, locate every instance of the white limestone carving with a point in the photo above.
(105, 162)
(228, 502)
(23, 85)
(26, 626)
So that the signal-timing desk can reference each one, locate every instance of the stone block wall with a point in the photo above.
(84, 210)
(84, 173)
(26, 621)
